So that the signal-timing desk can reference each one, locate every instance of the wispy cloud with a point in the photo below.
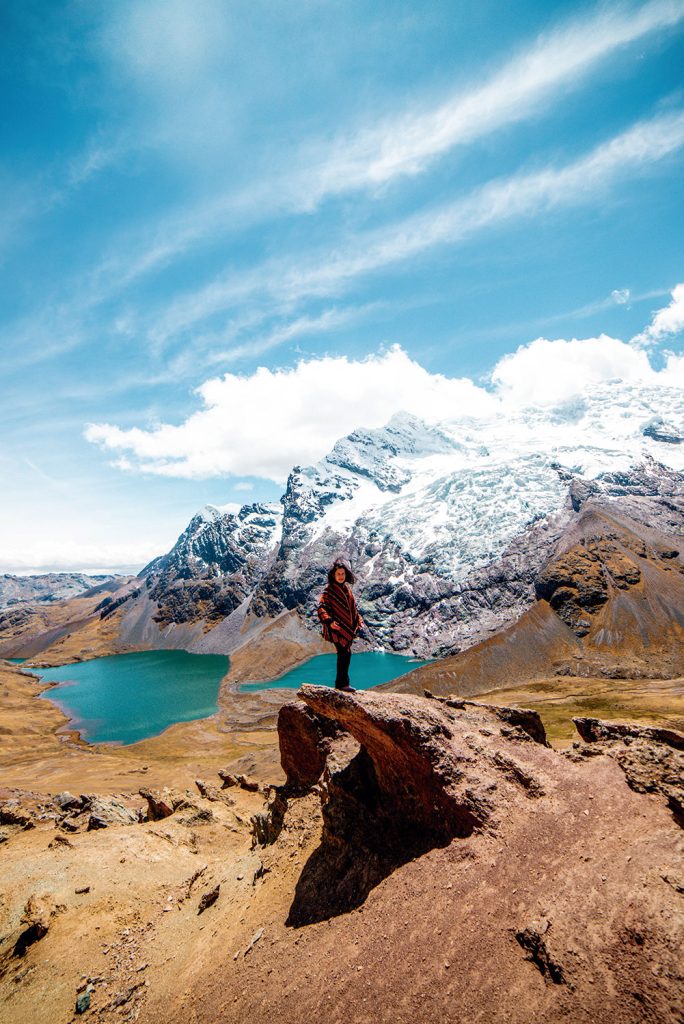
(499, 201)
(329, 320)
(406, 144)
(530, 81)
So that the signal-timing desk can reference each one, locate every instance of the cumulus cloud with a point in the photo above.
(667, 321)
(264, 423)
(547, 372)
(261, 424)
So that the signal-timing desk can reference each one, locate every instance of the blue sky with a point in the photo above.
(231, 232)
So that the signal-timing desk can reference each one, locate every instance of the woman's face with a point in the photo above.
(340, 574)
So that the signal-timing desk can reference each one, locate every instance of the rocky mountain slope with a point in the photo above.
(407, 846)
(455, 531)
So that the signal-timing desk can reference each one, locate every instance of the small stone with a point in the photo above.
(83, 1002)
(208, 899)
(255, 938)
(228, 779)
(83, 889)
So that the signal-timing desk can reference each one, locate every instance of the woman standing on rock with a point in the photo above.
(340, 618)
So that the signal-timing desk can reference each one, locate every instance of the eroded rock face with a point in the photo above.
(34, 924)
(161, 803)
(652, 758)
(420, 774)
(304, 745)
(577, 583)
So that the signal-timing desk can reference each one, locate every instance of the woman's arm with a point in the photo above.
(323, 613)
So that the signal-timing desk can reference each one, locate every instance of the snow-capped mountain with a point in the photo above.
(215, 563)
(447, 525)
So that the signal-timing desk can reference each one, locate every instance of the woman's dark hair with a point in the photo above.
(349, 578)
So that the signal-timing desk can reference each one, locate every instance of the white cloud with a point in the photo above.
(264, 423)
(57, 554)
(406, 145)
(621, 296)
(667, 321)
(231, 506)
(673, 371)
(166, 45)
(550, 372)
(328, 320)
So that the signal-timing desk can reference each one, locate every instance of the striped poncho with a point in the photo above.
(338, 604)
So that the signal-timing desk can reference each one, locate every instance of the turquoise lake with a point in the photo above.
(129, 697)
(367, 669)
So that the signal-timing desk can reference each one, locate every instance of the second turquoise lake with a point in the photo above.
(368, 669)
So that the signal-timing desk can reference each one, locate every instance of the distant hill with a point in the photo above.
(53, 586)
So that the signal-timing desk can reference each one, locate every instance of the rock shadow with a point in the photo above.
(364, 840)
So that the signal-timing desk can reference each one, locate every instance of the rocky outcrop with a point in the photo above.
(666, 433)
(161, 803)
(34, 925)
(652, 758)
(305, 744)
(419, 774)
(576, 584)
(593, 730)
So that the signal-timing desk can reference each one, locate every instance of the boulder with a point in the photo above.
(106, 811)
(227, 778)
(161, 803)
(67, 801)
(12, 813)
(651, 757)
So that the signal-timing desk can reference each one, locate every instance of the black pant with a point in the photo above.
(343, 658)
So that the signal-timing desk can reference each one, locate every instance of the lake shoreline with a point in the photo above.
(42, 752)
